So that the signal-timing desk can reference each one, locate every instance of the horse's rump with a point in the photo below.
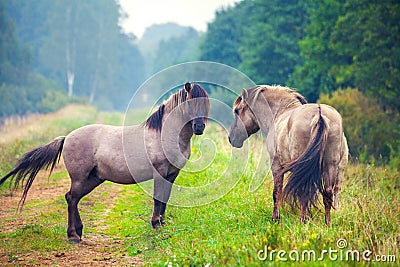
(310, 152)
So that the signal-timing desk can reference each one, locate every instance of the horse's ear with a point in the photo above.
(245, 94)
(188, 87)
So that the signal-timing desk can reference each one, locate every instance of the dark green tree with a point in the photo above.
(226, 34)
(352, 43)
(314, 76)
(270, 49)
(367, 35)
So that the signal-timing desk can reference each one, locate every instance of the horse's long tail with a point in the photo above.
(31, 163)
(305, 179)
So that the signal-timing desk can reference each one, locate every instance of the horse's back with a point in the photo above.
(85, 141)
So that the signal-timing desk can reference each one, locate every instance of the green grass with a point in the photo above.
(232, 230)
(42, 230)
(229, 231)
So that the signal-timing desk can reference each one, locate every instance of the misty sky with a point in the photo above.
(195, 13)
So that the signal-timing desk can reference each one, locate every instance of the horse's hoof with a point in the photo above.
(276, 219)
(74, 241)
(328, 223)
(156, 224)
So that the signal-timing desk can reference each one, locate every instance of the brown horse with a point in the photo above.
(306, 140)
(156, 149)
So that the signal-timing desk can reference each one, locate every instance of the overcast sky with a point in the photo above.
(195, 13)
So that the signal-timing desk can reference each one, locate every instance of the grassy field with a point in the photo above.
(234, 230)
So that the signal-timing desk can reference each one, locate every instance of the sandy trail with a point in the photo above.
(94, 250)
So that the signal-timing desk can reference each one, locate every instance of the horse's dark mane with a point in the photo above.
(237, 101)
(155, 119)
(301, 98)
(198, 91)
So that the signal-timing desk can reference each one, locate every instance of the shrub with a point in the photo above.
(372, 133)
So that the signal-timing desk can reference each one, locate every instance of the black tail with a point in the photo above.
(32, 162)
(305, 179)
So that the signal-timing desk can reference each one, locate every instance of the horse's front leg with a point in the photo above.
(159, 183)
(162, 192)
(277, 193)
(156, 218)
(167, 193)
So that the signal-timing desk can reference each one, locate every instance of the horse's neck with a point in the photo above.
(177, 131)
(185, 135)
(274, 112)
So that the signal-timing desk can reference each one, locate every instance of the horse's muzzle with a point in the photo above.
(198, 128)
(234, 142)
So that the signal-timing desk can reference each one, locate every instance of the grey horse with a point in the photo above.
(156, 149)
(306, 140)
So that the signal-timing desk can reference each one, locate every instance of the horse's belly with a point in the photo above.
(127, 178)
(118, 171)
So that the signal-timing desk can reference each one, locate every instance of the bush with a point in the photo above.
(39, 95)
(372, 133)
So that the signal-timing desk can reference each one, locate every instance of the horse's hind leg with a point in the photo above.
(329, 176)
(340, 174)
(277, 194)
(79, 189)
(328, 200)
(304, 213)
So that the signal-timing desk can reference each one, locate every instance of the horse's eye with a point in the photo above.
(236, 111)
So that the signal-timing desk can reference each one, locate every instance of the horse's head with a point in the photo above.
(245, 122)
(197, 108)
(257, 108)
(189, 105)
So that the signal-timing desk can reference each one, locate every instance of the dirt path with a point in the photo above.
(88, 253)
(94, 250)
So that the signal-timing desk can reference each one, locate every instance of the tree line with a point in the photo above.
(70, 49)
(341, 52)
(316, 46)
(75, 51)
